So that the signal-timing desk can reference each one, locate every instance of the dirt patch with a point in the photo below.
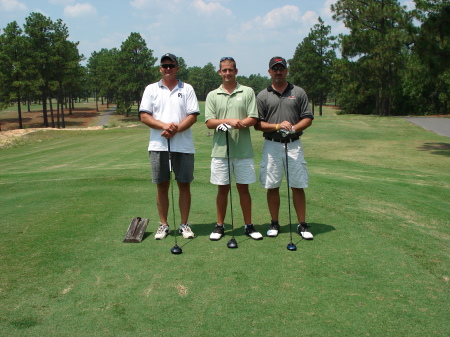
(8, 137)
(81, 117)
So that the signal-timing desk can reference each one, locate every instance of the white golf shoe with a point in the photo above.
(252, 232)
(217, 232)
(273, 229)
(303, 230)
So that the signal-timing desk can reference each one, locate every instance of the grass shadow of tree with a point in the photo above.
(442, 149)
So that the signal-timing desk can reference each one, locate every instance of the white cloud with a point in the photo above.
(78, 10)
(61, 2)
(12, 5)
(211, 7)
(281, 16)
(160, 4)
(310, 18)
(326, 9)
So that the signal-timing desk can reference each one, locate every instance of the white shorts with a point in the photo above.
(243, 169)
(273, 164)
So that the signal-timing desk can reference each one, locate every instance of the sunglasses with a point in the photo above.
(227, 58)
(278, 68)
(168, 65)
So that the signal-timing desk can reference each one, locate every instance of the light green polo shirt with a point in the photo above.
(240, 104)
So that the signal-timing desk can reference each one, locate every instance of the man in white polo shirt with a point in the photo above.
(170, 107)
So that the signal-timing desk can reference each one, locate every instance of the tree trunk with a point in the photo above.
(44, 107)
(19, 110)
(51, 112)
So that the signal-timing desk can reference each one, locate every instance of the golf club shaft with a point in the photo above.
(171, 189)
(288, 189)
(229, 181)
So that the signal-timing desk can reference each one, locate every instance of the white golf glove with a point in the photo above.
(224, 127)
(285, 133)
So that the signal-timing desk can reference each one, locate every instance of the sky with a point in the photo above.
(200, 31)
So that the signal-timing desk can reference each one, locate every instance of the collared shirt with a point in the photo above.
(292, 106)
(170, 106)
(240, 104)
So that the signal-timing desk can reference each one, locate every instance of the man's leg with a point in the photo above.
(184, 201)
(162, 200)
(273, 201)
(222, 202)
(246, 202)
(299, 199)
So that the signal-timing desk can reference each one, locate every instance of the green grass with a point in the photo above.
(378, 203)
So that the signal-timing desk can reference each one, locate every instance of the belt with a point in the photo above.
(284, 140)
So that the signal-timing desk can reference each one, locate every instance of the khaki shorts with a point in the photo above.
(243, 169)
(273, 165)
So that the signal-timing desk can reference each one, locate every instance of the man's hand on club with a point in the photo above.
(286, 128)
(224, 127)
(169, 130)
(285, 133)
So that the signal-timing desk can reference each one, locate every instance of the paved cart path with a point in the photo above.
(439, 125)
(104, 117)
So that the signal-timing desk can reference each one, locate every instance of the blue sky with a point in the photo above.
(201, 31)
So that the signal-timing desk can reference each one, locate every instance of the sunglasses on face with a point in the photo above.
(278, 68)
(227, 58)
(168, 65)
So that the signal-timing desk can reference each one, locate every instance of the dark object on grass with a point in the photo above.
(176, 249)
(136, 230)
(232, 243)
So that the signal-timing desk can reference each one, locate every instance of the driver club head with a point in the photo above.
(232, 243)
(176, 250)
(291, 246)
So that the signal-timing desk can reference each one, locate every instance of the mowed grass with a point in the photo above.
(378, 204)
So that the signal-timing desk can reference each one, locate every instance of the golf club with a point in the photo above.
(291, 245)
(232, 243)
(175, 249)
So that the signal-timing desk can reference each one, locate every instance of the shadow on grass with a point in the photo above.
(442, 149)
(206, 229)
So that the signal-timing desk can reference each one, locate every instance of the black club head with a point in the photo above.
(232, 243)
(291, 246)
(176, 250)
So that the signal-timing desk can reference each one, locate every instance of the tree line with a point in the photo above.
(393, 61)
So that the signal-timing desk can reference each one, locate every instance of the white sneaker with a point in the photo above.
(162, 232)
(186, 231)
(303, 230)
(252, 232)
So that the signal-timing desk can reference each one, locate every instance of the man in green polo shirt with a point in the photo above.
(232, 108)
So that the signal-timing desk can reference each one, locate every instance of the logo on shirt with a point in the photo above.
(180, 95)
(291, 97)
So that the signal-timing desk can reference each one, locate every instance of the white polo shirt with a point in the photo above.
(170, 107)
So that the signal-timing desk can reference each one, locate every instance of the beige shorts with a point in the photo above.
(273, 165)
(242, 168)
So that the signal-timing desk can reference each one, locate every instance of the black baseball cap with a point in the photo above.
(277, 60)
(169, 56)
